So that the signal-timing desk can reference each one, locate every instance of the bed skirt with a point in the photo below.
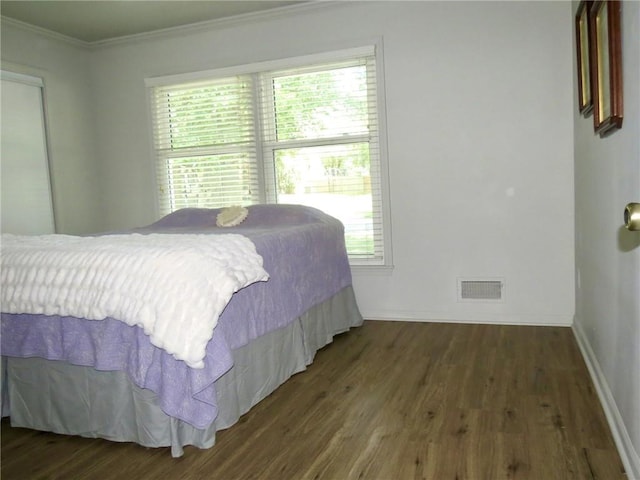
(69, 399)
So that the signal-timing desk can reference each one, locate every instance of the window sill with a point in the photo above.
(378, 270)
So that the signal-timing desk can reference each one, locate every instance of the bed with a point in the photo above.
(106, 379)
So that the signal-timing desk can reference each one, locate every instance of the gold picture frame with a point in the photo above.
(606, 66)
(583, 43)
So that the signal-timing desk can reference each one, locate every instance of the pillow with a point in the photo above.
(231, 216)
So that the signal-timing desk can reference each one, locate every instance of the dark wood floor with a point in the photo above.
(389, 400)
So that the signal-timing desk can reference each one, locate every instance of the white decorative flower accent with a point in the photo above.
(231, 216)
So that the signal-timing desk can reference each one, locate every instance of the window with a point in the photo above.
(305, 134)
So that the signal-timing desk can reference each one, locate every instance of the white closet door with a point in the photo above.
(24, 169)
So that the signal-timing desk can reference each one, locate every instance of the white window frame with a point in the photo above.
(375, 48)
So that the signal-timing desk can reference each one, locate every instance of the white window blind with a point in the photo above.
(321, 141)
(304, 135)
(205, 144)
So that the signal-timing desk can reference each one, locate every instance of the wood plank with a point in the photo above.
(388, 400)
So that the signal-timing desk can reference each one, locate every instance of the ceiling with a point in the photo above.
(98, 20)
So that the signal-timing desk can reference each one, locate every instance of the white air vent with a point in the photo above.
(481, 289)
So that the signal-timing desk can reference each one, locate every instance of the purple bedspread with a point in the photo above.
(304, 253)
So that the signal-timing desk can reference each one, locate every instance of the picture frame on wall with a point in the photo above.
(606, 66)
(583, 43)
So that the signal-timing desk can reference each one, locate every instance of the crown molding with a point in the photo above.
(44, 32)
(220, 23)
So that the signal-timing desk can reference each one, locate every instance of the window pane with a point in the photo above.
(322, 104)
(336, 180)
(211, 181)
(307, 134)
(205, 144)
(204, 115)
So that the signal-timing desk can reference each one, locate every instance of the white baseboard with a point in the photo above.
(488, 318)
(628, 455)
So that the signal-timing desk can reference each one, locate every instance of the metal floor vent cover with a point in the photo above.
(480, 289)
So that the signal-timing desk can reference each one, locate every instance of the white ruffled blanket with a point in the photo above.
(174, 286)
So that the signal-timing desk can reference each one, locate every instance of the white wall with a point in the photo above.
(480, 135)
(64, 68)
(479, 100)
(607, 324)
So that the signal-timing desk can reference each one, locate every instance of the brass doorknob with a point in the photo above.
(632, 217)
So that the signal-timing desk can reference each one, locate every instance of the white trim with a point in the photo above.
(44, 32)
(260, 67)
(383, 151)
(21, 78)
(219, 23)
(628, 455)
(484, 318)
(362, 269)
